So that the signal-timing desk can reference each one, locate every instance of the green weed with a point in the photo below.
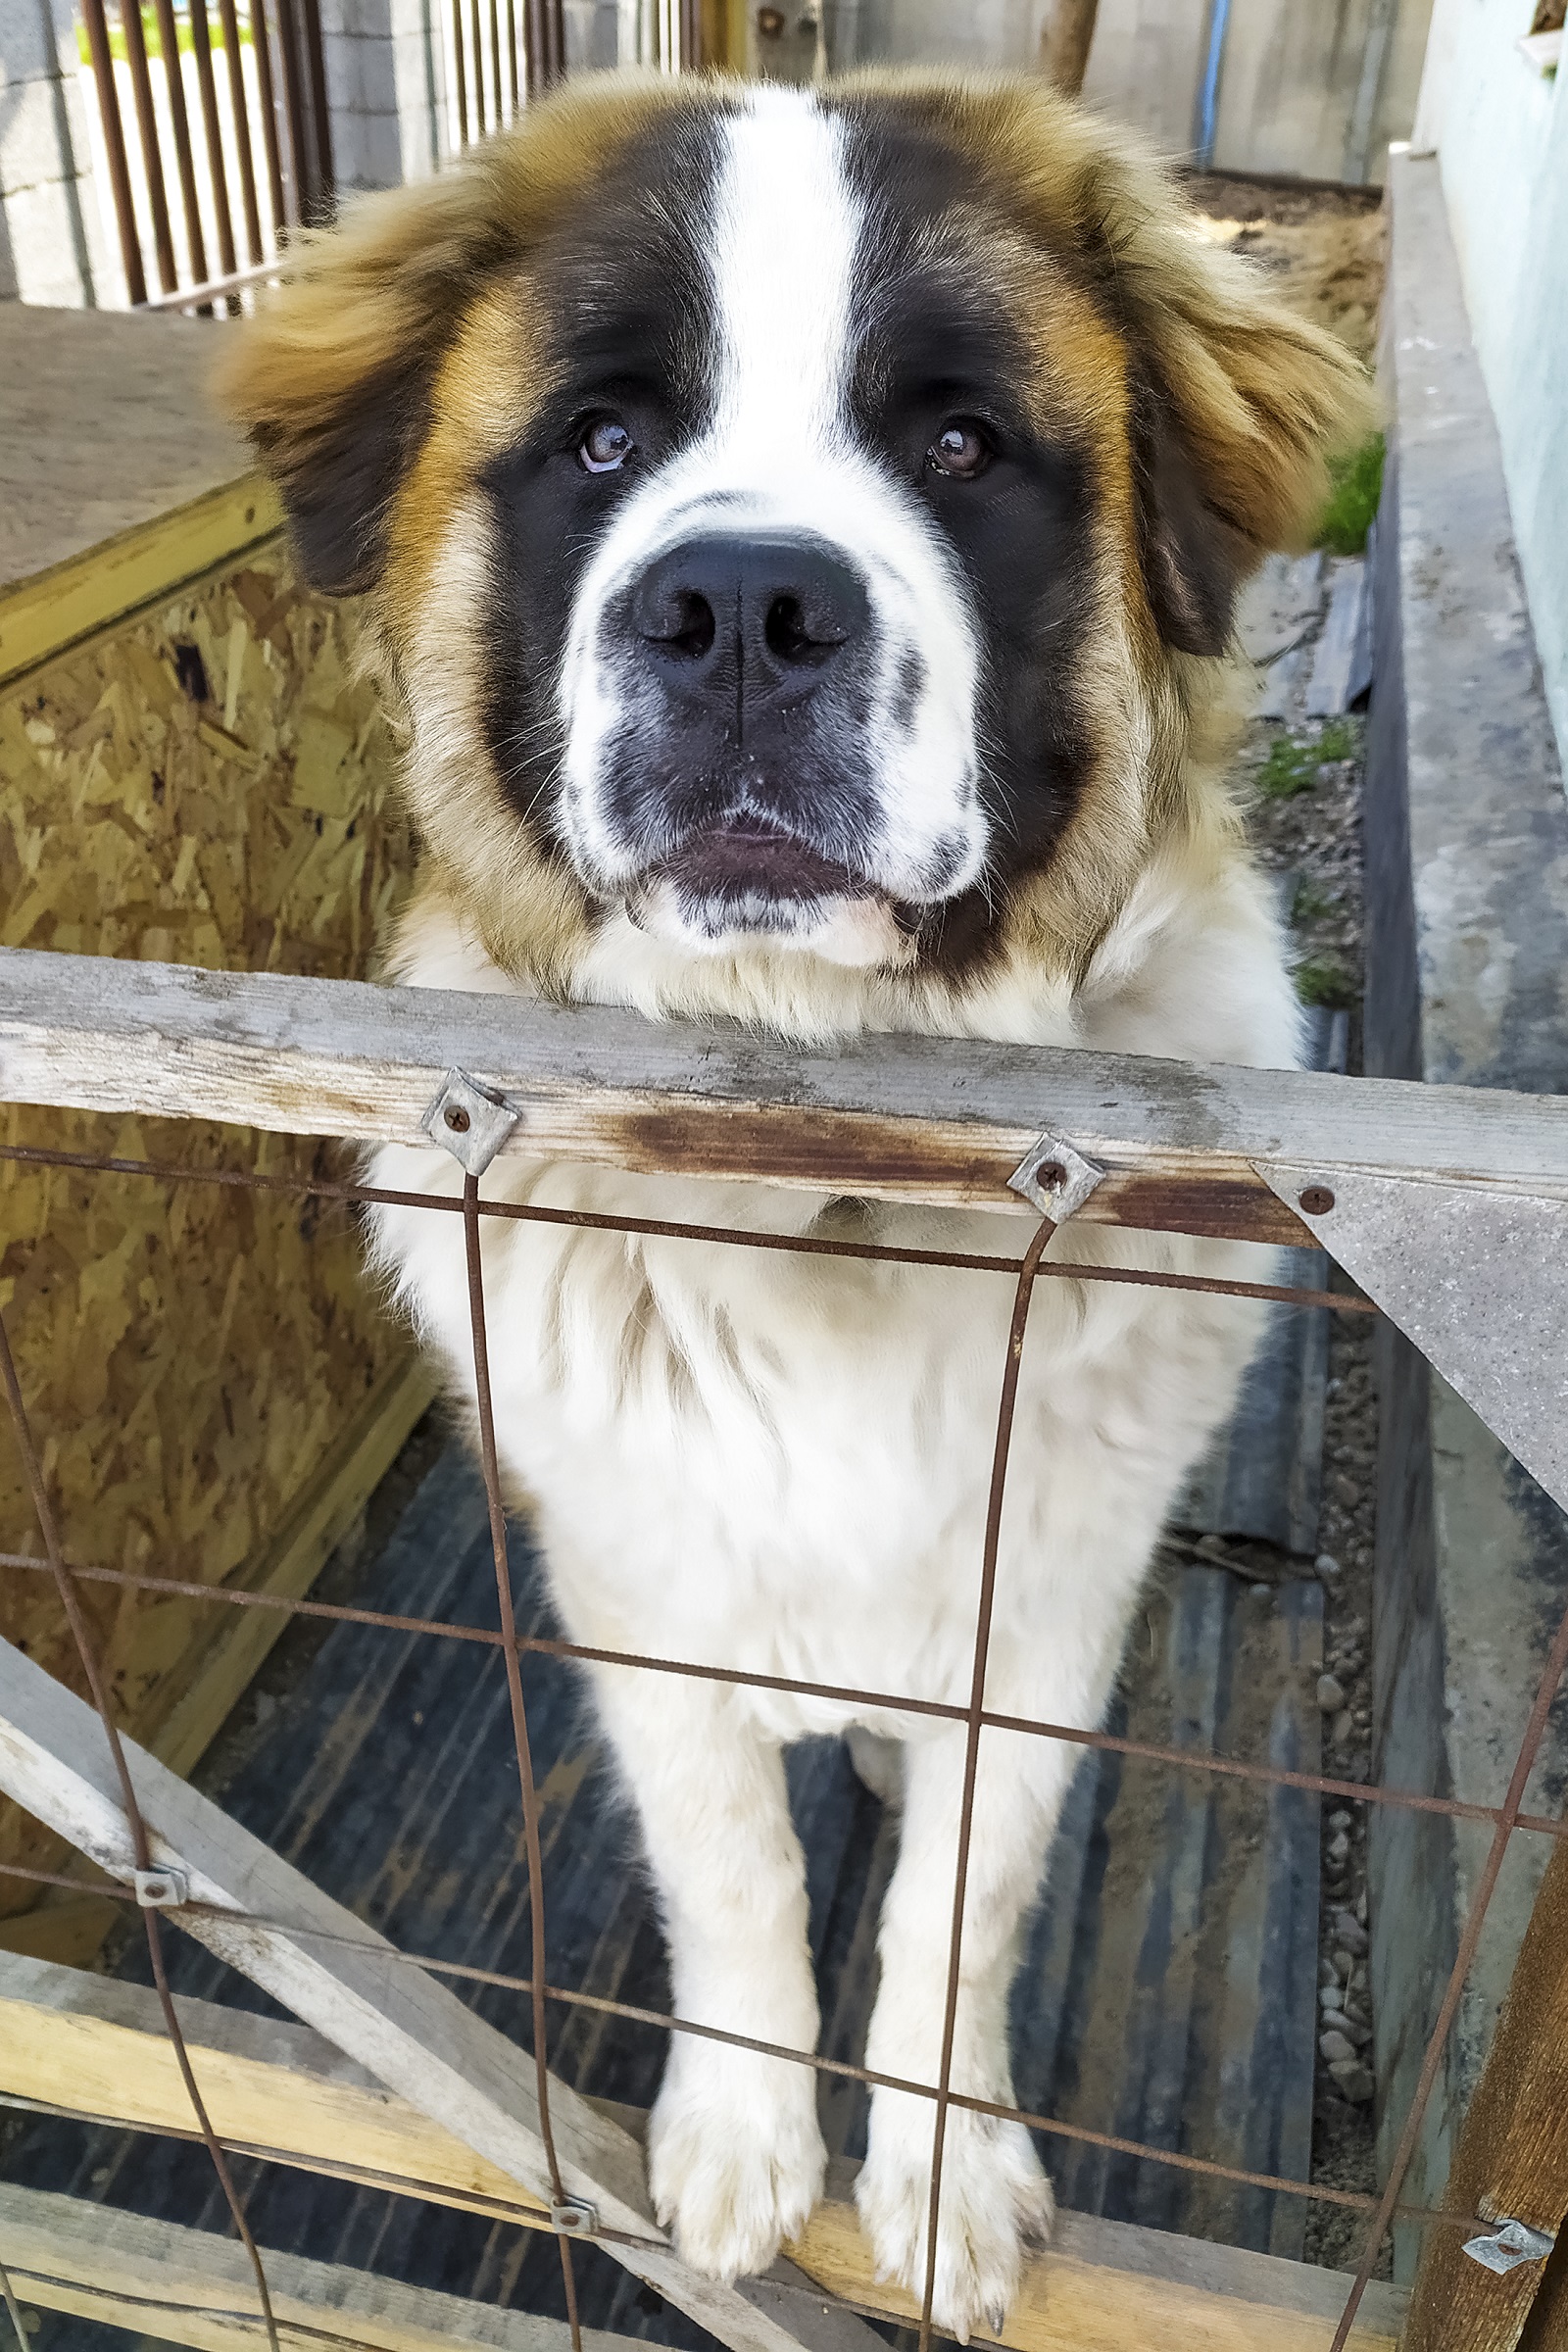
(153, 40)
(1292, 767)
(1322, 981)
(1353, 500)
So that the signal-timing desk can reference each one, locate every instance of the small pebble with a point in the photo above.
(1261, 1592)
(1338, 1851)
(1330, 1694)
(1326, 1564)
(1340, 1820)
(1345, 1962)
(1330, 1997)
(1334, 2047)
(1353, 2029)
(1350, 1931)
(1361, 1908)
(1211, 1548)
(1344, 1728)
(1327, 1974)
(1355, 2081)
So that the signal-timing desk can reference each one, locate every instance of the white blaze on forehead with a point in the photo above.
(787, 227)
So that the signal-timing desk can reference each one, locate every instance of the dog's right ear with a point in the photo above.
(332, 378)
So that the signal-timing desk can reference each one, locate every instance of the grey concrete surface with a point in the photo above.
(1467, 982)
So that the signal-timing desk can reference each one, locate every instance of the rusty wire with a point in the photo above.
(141, 1847)
(1505, 1818)
(1524, 1764)
(520, 1720)
(1178, 1759)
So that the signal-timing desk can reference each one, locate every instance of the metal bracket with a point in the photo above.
(574, 2217)
(1054, 1177)
(469, 1121)
(161, 1890)
(1508, 2246)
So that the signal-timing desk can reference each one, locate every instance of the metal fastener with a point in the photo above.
(1316, 1199)
(469, 1121)
(574, 2215)
(1054, 1177)
(161, 1890)
(1508, 2246)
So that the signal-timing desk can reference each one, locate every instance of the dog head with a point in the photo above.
(794, 519)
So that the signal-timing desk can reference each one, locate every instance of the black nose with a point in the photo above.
(752, 613)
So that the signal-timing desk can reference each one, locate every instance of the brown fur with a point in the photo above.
(403, 353)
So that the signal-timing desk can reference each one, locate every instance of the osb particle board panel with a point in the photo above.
(211, 784)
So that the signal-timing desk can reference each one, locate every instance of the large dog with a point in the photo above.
(801, 531)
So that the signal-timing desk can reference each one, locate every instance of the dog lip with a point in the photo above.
(749, 857)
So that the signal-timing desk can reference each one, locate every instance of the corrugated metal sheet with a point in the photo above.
(1166, 1994)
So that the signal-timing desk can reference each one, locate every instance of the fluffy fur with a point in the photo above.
(950, 764)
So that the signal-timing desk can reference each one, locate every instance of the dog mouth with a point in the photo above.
(749, 862)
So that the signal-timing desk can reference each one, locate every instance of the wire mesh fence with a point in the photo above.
(1026, 1269)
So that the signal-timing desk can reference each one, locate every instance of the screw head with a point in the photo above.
(1050, 1176)
(457, 1118)
(1316, 1199)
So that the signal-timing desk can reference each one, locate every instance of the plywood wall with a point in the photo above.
(211, 784)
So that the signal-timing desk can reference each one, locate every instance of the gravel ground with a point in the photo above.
(1302, 782)
(1313, 835)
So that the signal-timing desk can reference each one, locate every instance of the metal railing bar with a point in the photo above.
(478, 68)
(294, 108)
(324, 193)
(103, 73)
(180, 120)
(199, 297)
(216, 168)
(239, 105)
(511, 56)
(461, 72)
(147, 128)
(261, 45)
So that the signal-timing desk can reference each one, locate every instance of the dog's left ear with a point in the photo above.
(1239, 408)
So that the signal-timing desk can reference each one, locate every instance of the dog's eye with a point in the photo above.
(606, 445)
(961, 449)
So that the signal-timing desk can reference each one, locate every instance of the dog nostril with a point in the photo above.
(786, 633)
(686, 624)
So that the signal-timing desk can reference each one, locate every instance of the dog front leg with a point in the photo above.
(735, 2156)
(995, 2199)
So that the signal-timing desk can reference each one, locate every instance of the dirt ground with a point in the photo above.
(1326, 247)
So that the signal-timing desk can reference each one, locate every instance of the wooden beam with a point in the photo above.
(191, 2286)
(72, 1927)
(897, 1117)
(1511, 2160)
(97, 2049)
(413, 2035)
(41, 616)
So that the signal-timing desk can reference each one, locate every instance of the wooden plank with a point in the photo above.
(897, 1117)
(190, 2286)
(96, 2047)
(412, 2034)
(1511, 2161)
(71, 1927)
(41, 615)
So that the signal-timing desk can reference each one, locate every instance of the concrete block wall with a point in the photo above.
(52, 244)
(386, 91)
(1467, 897)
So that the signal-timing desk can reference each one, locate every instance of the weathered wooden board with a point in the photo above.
(283, 2091)
(188, 2286)
(410, 2030)
(896, 1116)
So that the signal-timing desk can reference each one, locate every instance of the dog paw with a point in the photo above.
(996, 2203)
(735, 2158)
